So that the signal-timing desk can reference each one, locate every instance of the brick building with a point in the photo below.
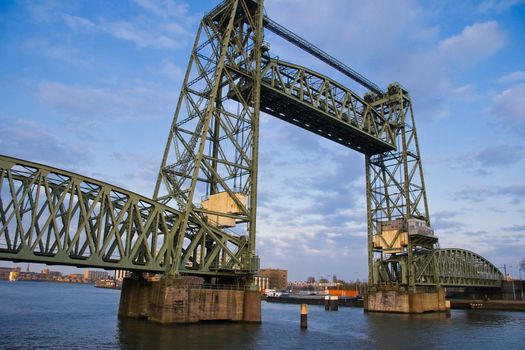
(277, 278)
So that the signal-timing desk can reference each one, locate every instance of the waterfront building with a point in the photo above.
(53, 274)
(95, 275)
(5, 271)
(277, 278)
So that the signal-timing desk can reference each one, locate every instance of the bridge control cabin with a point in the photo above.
(222, 203)
(394, 235)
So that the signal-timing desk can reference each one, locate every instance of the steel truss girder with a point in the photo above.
(321, 105)
(52, 216)
(460, 267)
(456, 268)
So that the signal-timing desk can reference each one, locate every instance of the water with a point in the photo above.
(39, 315)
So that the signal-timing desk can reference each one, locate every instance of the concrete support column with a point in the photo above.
(399, 301)
(176, 300)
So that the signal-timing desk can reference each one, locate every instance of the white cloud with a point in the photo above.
(28, 139)
(78, 23)
(465, 92)
(498, 5)
(45, 11)
(140, 100)
(57, 51)
(164, 8)
(172, 70)
(164, 27)
(474, 43)
(513, 77)
(509, 106)
(78, 100)
(144, 36)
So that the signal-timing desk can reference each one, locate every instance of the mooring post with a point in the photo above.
(331, 303)
(304, 316)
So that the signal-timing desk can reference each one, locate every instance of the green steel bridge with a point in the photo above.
(52, 216)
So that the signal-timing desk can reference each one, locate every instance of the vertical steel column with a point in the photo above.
(255, 128)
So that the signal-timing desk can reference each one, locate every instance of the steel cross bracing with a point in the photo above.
(396, 191)
(319, 104)
(52, 216)
(213, 142)
(202, 219)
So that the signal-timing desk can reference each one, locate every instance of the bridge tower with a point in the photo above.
(401, 241)
(209, 167)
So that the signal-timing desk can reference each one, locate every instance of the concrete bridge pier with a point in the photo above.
(178, 300)
(395, 299)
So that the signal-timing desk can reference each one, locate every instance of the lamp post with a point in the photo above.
(521, 285)
(513, 286)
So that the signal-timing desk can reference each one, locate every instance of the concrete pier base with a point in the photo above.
(399, 301)
(173, 300)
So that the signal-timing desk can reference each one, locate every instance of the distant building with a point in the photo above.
(51, 273)
(277, 278)
(5, 271)
(93, 275)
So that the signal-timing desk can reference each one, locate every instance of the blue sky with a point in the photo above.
(91, 86)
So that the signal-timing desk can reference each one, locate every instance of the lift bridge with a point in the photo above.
(201, 220)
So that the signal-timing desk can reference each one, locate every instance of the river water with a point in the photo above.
(39, 315)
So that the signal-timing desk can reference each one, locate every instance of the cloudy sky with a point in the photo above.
(91, 86)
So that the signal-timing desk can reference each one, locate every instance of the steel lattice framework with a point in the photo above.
(53, 216)
(459, 267)
(396, 191)
(213, 142)
(319, 104)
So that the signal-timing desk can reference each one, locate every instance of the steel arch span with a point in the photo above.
(456, 268)
(460, 267)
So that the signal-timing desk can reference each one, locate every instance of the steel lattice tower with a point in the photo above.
(395, 191)
(212, 146)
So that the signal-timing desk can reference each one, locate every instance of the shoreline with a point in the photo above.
(455, 304)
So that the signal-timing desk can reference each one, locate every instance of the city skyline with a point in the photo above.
(91, 88)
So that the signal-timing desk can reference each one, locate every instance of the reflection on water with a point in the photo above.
(49, 315)
(141, 334)
(348, 327)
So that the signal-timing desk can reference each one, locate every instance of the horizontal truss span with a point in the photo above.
(320, 105)
(52, 216)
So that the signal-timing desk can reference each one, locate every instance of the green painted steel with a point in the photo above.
(396, 194)
(213, 141)
(460, 267)
(455, 268)
(321, 105)
(52, 216)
